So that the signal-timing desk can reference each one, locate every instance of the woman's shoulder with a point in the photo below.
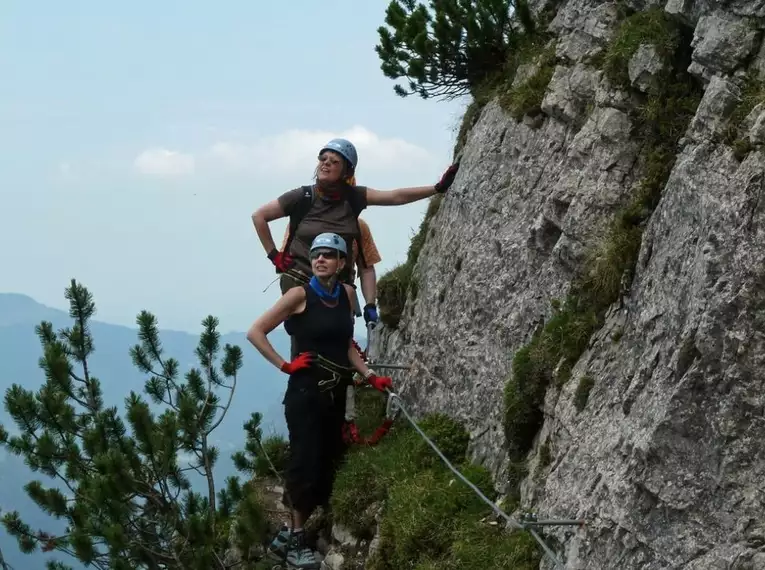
(296, 294)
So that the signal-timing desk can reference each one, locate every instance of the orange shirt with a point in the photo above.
(371, 255)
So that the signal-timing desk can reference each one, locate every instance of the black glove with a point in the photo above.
(447, 178)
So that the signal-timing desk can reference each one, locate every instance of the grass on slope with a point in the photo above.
(428, 517)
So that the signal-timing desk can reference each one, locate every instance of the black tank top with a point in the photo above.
(322, 329)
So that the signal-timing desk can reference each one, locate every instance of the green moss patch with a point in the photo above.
(428, 517)
(653, 26)
(582, 393)
(752, 94)
(526, 97)
(551, 354)
(392, 291)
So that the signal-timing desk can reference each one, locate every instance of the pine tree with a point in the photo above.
(450, 49)
(127, 500)
(261, 458)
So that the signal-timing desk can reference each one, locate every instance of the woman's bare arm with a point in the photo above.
(292, 302)
(353, 355)
(399, 196)
(357, 362)
(407, 195)
(260, 218)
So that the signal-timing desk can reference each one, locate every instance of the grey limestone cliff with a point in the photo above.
(663, 453)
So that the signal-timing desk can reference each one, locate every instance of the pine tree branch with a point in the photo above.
(75, 377)
(155, 551)
(60, 429)
(141, 546)
(208, 396)
(60, 547)
(165, 375)
(226, 407)
(194, 468)
(220, 562)
(161, 480)
(56, 474)
(210, 481)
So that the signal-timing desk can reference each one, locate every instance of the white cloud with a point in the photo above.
(297, 149)
(287, 153)
(164, 163)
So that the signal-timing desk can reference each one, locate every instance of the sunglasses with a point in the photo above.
(333, 160)
(325, 253)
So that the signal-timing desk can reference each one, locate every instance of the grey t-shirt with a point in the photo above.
(324, 216)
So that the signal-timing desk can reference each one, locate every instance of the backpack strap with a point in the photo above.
(304, 206)
(299, 212)
(355, 203)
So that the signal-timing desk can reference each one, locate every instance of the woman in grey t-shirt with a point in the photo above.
(331, 204)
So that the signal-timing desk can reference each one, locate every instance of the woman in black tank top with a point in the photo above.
(319, 317)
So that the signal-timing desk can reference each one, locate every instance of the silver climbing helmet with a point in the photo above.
(344, 148)
(329, 240)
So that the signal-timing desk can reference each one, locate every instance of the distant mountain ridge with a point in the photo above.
(16, 308)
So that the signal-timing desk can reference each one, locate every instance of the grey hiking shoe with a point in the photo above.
(278, 547)
(299, 556)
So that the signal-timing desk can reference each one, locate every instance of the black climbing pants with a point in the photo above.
(315, 421)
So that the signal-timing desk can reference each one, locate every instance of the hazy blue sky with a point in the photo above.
(137, 138)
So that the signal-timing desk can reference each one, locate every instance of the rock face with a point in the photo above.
(666, 462)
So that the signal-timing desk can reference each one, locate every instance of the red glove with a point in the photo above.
(281, 260)
(380, 382)
(447, 178)
(301, 361)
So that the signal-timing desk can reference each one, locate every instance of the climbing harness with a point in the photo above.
(337, 373)
(527, 523)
